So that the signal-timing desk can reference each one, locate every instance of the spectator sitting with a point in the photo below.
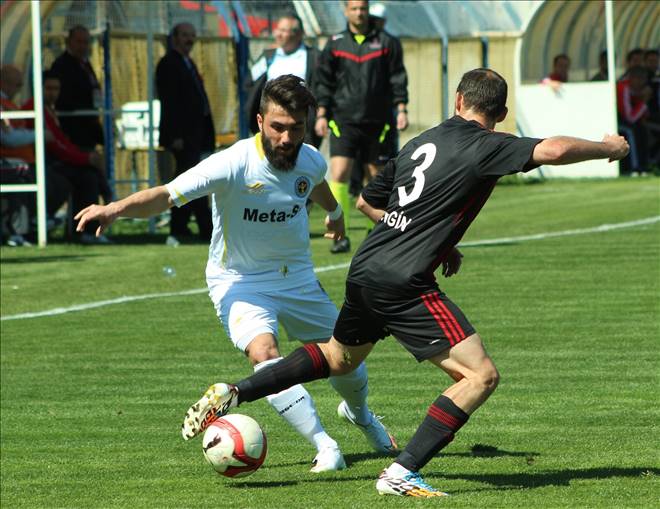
(601, 75)
(18, 157)
(560, 66)
(651, 64)
(632, 95)
(83, 170)
(17, 140)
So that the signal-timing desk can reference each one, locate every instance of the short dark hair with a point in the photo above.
(559, 57)
(484, 91)
(650, 52)
(633, 53)
(177, 27)
(293, 16)
(49, 74)
(288, 91)
(77, 28)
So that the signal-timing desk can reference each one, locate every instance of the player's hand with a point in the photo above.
(104, 214)
(453, 263)
(402, 121)
(321, 126)
(336, 229)
(617, 145)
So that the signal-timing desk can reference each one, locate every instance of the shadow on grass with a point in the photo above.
(549, 478)
(48, 259)
(518, 481)
(263, 484)
(350, 459)
(491, 451)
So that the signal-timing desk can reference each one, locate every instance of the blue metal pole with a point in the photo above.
(484, 52)
(445, 76)
(242, 59)
(108, 127)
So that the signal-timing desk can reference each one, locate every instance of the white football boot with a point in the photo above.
(216, 402)
(328, 459)
(410, 484)
(377, 435)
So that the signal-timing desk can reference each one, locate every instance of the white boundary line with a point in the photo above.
(328, 268)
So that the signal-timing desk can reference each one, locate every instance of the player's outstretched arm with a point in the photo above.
(567, 150)
(144, 203)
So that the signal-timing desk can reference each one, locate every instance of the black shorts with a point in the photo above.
(426, 325)
(363, 141)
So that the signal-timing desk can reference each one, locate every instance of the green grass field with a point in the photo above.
(92, 400)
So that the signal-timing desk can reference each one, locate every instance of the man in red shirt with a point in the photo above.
(83, 170)
(633, 93)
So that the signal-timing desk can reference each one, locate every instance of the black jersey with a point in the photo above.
(360, 83)
(431, 192)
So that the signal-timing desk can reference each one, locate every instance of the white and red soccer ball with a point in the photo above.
(234, 445)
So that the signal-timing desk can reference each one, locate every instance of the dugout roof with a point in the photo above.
(578, 30)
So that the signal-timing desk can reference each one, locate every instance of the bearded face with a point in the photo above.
(282, 135)
(284, 156)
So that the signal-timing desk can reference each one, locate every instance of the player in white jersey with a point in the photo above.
(259, 270)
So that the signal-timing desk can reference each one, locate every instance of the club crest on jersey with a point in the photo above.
(302, 186)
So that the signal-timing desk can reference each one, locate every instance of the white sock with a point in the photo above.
(295, 406)
(396, 470)
(354, 388)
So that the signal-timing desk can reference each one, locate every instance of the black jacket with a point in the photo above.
(254, 89)
(361, 83)
(182, 106)
(78, 85)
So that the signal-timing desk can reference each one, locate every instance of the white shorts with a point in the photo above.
(306, 312)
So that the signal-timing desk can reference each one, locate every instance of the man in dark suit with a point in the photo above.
(80, 90)
(186, 125)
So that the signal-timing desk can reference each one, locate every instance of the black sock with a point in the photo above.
(442, 420)
(303, 365)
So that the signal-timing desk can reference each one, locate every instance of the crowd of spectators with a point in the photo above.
(75, 170)
(362, 132)
(638, 99)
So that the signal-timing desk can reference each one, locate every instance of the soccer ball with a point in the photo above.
(234, 445)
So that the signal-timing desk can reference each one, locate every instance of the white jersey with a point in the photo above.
(260, 225)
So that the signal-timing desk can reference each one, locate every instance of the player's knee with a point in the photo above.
(259, 353)
(338, 359)
(488, 378)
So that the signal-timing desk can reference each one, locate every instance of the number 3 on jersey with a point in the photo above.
(428, 151)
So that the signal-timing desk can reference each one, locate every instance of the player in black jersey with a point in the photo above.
(423, 203)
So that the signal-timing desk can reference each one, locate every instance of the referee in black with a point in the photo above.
(423, 202)
(359, 80)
